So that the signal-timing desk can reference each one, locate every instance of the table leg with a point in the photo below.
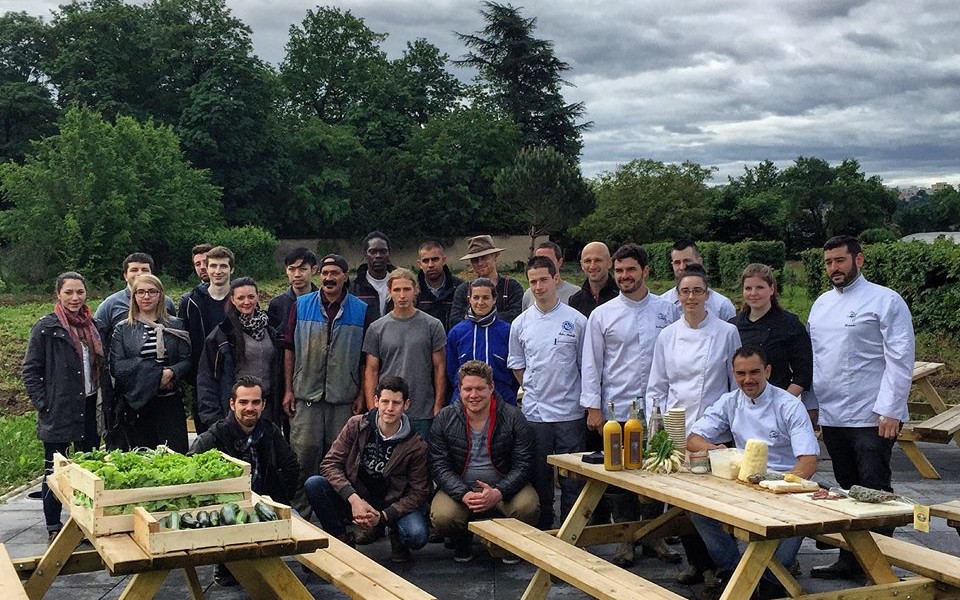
(569, 532)
(789, 582)
(918, 459)
(53, 560)
(144, 586)
(193, 583)
(749, 570)
(269, 578)
(868, 554)
(932, 396)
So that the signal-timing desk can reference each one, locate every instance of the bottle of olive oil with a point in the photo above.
(612, 442)
(633, 438)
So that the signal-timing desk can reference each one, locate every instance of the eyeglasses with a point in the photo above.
(696, 292)
(150, 293)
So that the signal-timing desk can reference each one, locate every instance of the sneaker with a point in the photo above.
(624, 555)
(52, 535)
(369, 536)
(690, 576)
(223, 577)
(510, 559)
(463, 549)
(398, 552)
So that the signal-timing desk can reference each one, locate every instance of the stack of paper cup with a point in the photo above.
(675, 422)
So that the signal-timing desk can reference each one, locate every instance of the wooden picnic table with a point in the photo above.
(942, 425)
(258, 567)
(757, 517)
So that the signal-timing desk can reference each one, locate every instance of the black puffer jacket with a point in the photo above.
(508, 442)
(53, 376)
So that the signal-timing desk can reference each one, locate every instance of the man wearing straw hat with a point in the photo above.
(482, 255)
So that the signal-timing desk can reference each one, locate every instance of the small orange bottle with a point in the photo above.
(633, 439)
(612, 443)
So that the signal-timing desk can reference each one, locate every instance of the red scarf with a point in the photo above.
(83, 331)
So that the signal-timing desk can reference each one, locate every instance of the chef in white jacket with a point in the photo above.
(863, 351)
(684, 254)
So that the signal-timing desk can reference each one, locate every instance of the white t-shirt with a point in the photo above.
(381, 286)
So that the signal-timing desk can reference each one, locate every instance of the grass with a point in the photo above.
(21, 453)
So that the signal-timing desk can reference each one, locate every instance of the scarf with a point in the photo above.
(160, 329)
(246, 447)
(83, 332)
(254, 324)
(483, 321)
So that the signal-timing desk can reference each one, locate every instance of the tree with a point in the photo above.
(749, 206)
(95, 192)
(547, 189)
(27, 111)
(429, 88)
(646, 201)
(523, 77)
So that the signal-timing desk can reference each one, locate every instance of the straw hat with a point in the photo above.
(480, 245)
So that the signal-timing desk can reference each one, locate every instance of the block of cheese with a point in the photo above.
(754, 459)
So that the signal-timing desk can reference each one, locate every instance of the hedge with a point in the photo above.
(253, 247)
(926, 275)
(724, 262)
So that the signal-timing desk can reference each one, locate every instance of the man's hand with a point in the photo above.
(814, 414)
(594, 419)
(888, 427)
(358, 404)
(289, 403)
(364, 515)
(484, 499)
(166, 379)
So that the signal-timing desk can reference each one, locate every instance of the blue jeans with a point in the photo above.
(725, 552)
(334, 512)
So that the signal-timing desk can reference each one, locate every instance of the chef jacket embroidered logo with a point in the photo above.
(567, 332)
(662, 321)
(774, 434)
(567, 326)
(851, 319)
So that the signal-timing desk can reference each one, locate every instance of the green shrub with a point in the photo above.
(659, 253)
(733, 258)
(710, 251)
(253, 246)
(877, 235)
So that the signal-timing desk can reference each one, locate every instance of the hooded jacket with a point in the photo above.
(439, 306)
(200, 314)
(469, 341)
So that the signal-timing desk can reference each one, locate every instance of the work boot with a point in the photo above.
(623, 507)
(399, 553)
(659, 549)
(369, 536)
(846, 567)
(463, 548)
(624, 555)
(690, 576)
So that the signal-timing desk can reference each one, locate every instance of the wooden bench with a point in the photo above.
(949, 511)
(358, 576)
(923, 561)
(942, 426)
(10, 586)
(592, 574)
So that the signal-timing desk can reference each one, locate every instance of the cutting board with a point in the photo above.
(855, 508)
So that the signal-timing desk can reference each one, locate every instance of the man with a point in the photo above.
(565, 289)
(546, 342)
(863, 350)
(617, 355)
(370, 284)
(116, 306)
(376, 475)
(300, 266)
(598, 287)
(437, 283)
(410, 343)
(684, 254)
(481, 459)
(199, 254)
(482, 255)
(323, 366)
(758, 410)
(245, 435)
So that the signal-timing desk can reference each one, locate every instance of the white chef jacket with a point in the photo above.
(776, 417)
(863, 351)
(691, 366)
(548, 345)
(618, 351)
(717, 304)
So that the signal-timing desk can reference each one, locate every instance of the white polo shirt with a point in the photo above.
(776, 417)
(618, 351)
(548, 345)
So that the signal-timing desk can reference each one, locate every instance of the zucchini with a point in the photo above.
(228, 514)
(174, 519)
(264, 512)
(253, 517)
(187, 521)
(164, 523)
(214, 518)
(203, 519)
(242, 517)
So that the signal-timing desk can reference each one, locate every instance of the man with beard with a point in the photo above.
(863, 349)
(617, 356)
(243, 434)
(370, 284)
(684, 254)
(483, 254)
(323, 366)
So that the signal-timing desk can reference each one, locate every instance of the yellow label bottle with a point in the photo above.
(612, 443)
(633, 439)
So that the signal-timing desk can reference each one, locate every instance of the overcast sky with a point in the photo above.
(721, 84)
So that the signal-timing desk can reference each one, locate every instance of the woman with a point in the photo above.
(691, 370)
(61, 371)
(482, 336)
(762, 323)
(149, 356)
(243, 344)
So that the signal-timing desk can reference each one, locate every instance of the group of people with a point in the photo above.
(393, 401)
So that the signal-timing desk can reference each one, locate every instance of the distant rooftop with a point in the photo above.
(930, 236)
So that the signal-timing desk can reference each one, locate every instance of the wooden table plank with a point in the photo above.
(279, 580)
(749, 570)
(53, 560)
(144, 586)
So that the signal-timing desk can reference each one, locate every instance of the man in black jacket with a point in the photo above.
(437, 283)
(245, 435)
(480, 459)
(300, 264)
(370, 284)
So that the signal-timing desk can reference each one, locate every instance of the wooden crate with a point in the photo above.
(71, 476)
(154, 540)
